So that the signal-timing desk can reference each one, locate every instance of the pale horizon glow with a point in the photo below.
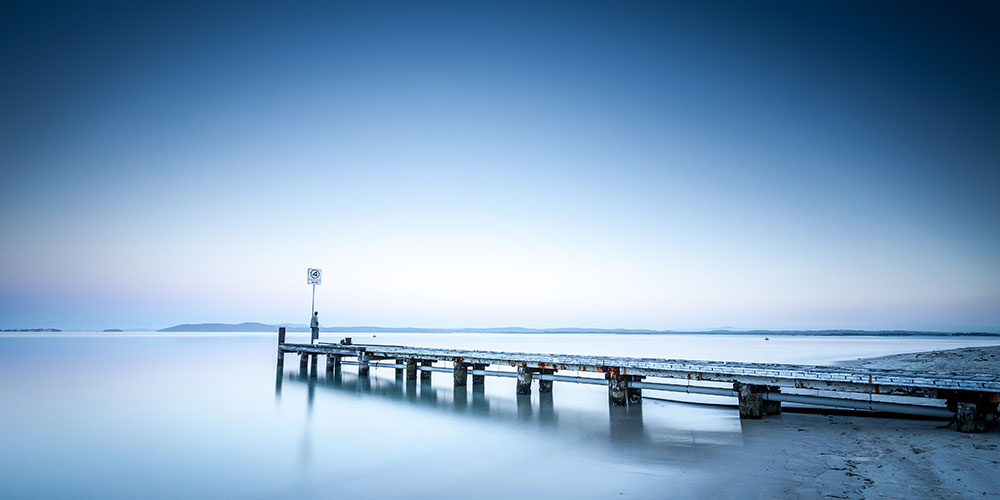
(645, 166)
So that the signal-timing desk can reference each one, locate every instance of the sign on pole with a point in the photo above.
(315, 277)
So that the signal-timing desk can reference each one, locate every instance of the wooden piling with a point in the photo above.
(332, 362)
(363, 367)
(281, 335)
(461, 373)
(969, 418)
(617, 390)
(545, 386)
(426, 374)
(524, 377)
(303, 361)
(751, 399)
(411, 369)
(634, 394)
(478, 379)
(399, 370)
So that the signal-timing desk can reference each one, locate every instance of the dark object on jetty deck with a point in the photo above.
(968, 398)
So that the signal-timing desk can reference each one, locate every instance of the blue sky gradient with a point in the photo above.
(784, 165)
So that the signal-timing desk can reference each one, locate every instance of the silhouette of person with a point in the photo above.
(314, 325)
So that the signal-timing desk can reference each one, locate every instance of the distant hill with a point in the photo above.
(222, 327)
(292, 327)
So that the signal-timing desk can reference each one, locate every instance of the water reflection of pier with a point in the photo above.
(619, 426)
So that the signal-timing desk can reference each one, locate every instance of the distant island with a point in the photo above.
(56, 330)
(229, 327)
(253, 327)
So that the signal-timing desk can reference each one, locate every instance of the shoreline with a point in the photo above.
(801, 455)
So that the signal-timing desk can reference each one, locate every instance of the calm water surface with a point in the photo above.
(208, 416)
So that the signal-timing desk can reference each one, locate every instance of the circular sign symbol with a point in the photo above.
(314, 276)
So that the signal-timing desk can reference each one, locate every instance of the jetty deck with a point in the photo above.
(760, 388)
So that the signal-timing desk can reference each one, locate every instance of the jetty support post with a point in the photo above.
(425, 375)
(968, 418)
(461, 373)
(399, 370)
(617, 389)
(363, 367)
(971, 409)
(281, 340)
(332, 362)
(634, 394)
(313, 360)
(524, 377)
(411, 369)
(303, 361)
(478, 379)
(545, 386)
(751, 399)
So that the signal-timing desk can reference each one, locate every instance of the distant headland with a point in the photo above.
(291, 327)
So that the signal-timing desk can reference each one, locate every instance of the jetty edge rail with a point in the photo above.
(969, 397)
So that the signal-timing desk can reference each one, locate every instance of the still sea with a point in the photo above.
(160, 415)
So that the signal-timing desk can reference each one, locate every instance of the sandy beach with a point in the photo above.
(963, 360)
(835, 456)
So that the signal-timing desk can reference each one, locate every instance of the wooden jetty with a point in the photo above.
(760, 388)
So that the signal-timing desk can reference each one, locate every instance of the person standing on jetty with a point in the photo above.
(314, 325)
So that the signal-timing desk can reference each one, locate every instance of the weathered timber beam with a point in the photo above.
(772, 396)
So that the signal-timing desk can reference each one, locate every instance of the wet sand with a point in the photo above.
(819, 456)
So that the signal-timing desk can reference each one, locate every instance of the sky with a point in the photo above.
(688, 165)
